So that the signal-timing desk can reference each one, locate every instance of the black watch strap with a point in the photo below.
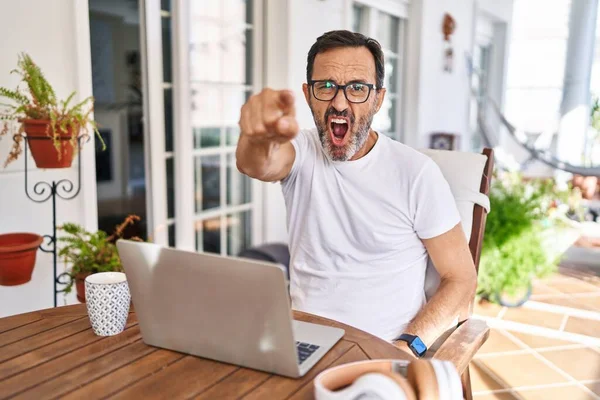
(415, 344)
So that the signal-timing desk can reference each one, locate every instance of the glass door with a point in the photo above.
(210, 65)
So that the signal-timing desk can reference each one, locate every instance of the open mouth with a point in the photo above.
(338, 128)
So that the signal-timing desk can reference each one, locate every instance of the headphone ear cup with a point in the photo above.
(443, 380)
(377, 384)
(422, 377)
(454, 390)
(403, 383)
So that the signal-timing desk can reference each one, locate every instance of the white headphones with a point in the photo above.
(390, 380)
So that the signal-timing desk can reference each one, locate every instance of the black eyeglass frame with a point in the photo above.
(371, 87)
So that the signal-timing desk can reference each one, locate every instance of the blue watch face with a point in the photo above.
(418, 345)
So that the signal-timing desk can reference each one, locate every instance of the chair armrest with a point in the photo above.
(463, 343)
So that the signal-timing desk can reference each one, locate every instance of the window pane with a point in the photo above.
(385, 120)
(391, 74)
(387, 31)
(358, 13)
(249, 56)
(207, 182)
(207, 137)
(208, 235)
(166, 49)
(168, 104)
(170, 189)
(227, 11)
(239, 186)
(220, 52)
(216, 106)
(233, 135)
(172, 235)
(249, 11)
(165, 5)
(239, 232)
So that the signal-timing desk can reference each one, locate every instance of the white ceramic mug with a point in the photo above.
(107, 298)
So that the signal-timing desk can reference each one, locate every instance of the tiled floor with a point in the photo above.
(514, 364)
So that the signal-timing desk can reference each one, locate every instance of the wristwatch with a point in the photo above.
(415, 344)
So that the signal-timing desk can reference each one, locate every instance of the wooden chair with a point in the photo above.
(461, 344)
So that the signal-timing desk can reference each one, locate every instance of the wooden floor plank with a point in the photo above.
(29, 359)
(8, 323)
(307, 391)
(279, 387)
(67, 364)
(235, 385)
(32, 329)
(182, 379)
(87, 372)
(124, 376)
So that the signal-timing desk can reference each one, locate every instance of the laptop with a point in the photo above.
(227, 309)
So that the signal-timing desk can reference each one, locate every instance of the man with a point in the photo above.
(364, 212)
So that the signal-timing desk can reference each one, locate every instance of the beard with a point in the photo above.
(358, 135)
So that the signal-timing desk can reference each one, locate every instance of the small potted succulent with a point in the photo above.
(53, 127)
(89, 253)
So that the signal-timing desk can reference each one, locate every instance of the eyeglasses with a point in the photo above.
(355, 92)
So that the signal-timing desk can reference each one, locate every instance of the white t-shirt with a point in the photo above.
(355, 229)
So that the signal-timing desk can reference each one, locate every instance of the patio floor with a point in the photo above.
(547, 349)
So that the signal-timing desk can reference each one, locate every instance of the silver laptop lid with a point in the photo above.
(223, 308)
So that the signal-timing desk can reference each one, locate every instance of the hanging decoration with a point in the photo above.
(448, 28)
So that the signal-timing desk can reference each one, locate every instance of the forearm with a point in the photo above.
(255, 158)
(451, 300)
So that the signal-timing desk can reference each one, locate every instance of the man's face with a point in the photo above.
(344, 126)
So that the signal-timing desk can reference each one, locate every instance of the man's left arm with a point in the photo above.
(450, 254)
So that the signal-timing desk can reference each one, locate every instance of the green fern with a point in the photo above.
(39, 102)
(91, 252)
(14, 95)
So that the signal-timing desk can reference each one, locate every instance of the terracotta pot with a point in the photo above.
(587, 184)
(516, 300)
(17, 257)
(80, 286)
(43, 151)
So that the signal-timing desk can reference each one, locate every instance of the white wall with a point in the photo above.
(56, 36)
(443, 103)
(440, 101)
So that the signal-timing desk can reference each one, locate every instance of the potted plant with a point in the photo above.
(17, 257)
(53, 126)
(526, 233)
(89, 253)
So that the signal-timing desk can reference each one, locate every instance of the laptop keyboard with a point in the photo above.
(305, 350)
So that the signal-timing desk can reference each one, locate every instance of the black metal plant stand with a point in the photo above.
(42, 192)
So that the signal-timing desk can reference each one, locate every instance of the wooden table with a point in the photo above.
(54, 353)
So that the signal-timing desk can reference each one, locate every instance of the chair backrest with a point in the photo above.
(469, 176)
(480, 213)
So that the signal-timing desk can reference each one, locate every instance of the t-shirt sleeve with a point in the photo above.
(432, 202)
(301, 145)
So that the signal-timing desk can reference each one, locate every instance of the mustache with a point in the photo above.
(335, 113)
